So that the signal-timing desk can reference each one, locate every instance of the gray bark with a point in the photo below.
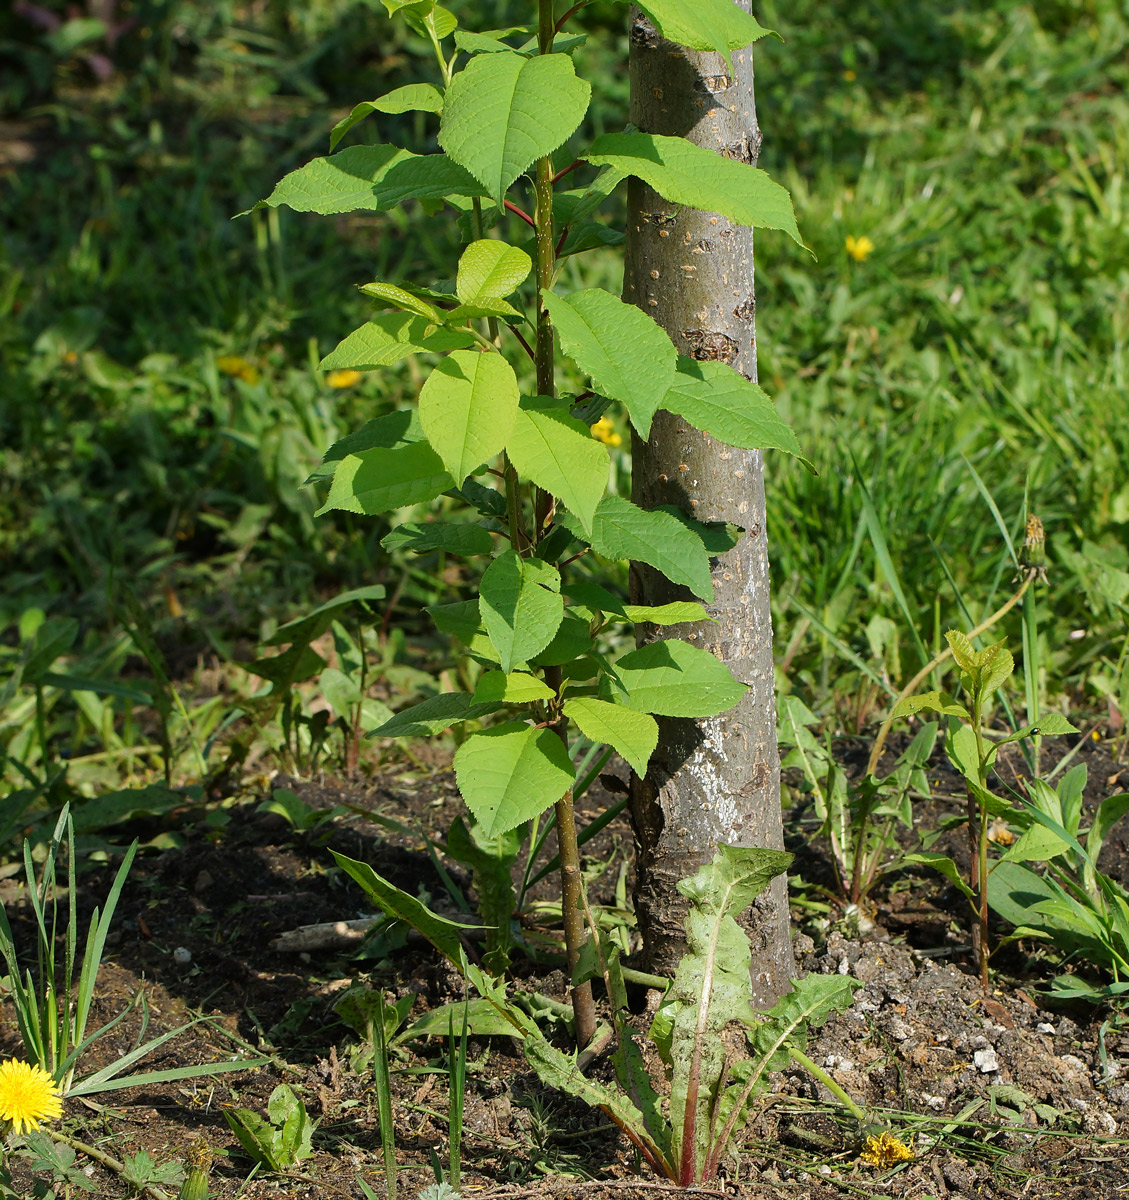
(716, 780)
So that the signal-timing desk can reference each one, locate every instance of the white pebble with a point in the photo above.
(986, 1061)
(182, 956)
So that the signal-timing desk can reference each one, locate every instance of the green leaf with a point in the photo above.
(482, 1020)
(634, 735)
(1037, 844)
(511, 773)
(675, 679)
(521, 606)
(388, 338)
(571, 640)
(599, 599)
(938, 702)
(414, 97)
(462, 620)
(464, 539)
(381, 479)
(622, 530)
(489, 270)
(496, 687)
(467, 409)
(433, 716)
(398, 297)
(372, 179)
(704, 24)
(627, 356)
(399, 428)
(504, 110)
(944, 864)
(964, 653)
(715, 398)
(810, 1002)
(678, 612)
(491, 861)
(687, 174)
(718, 537)
(442, 934)
(560, 455)
(305, 629)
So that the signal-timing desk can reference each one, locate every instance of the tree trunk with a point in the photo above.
(716, 780)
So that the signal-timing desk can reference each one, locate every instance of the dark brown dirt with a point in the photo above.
(998, 1096)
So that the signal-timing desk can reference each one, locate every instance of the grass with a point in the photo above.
(161, 407)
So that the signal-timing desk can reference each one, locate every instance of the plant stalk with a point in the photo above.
(838, 1092)
(978, 846)
(930, 667)
(583, 1006)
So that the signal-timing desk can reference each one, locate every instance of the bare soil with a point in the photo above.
(999, 1096)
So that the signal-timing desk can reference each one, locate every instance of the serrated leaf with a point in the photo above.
(692, 175)
(413, 97)
(599, 599)
(381, 479)
(711, 988)
(964, 654)
(521, 606)
(463, 621)
(718, 537)
(398, 297)
(399, 428)
(462, 538)
(511, 773)
(678, 612)
(936, 701)
(489, 270)
(674, 679)
(626, 355)
(570, 641)
(503, 111)
(634, 735)
(482, 1020)
(495, 687)
(1037, 844)
(715, 398)
(467, 409)
(621, 529)
(996, 665)
(810, 1002)
(560, 455)
(388, 338)
(717, 25)
(433, 716)
(371, 179)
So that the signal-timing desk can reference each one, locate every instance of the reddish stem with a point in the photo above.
(575, 9)
(525, 344)
(518, 212)
(571, 167)
(561, 241)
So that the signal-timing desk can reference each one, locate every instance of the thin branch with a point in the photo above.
(571, 12)
(520, 212)
(566, 170)
(525, 345)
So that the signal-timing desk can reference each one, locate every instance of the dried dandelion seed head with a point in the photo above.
(28, 1095)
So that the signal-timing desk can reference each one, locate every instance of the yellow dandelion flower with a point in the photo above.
(999, 834)
(860, 249)
(849, 75)
(238, 368)
(604, 431)
(27, 1095)
(885, 1150)
(343, 379)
